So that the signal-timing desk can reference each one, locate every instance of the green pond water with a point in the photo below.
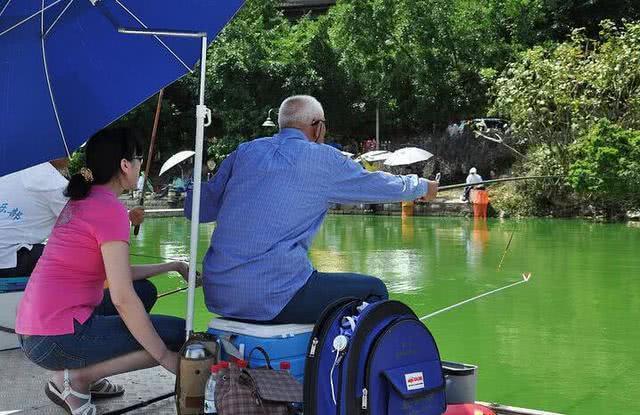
(567, 341)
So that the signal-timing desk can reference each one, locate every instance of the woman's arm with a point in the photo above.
(141, 272)
(115, 255)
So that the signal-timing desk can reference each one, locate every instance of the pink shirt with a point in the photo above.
(67, 282)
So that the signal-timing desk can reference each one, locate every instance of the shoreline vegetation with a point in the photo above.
(447, 206)
(564, 76)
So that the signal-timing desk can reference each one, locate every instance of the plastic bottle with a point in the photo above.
(285, 366)
(210, 391)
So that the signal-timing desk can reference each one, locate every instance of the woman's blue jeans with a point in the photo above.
(102, 337)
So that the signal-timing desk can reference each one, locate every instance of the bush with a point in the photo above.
(607, 166)
(541, 197)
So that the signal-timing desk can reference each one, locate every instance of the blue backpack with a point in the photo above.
(372, 359)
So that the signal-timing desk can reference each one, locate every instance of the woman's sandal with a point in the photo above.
(59, 398)
(105, 389)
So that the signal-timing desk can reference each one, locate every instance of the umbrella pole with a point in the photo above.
(202, 112)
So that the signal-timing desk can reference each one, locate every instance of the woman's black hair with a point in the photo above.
(103, 154)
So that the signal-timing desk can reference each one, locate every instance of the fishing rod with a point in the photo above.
(504, 254)
(525, 278)
(507, 179)
(154, 133)
(177, 290)
(183, 259)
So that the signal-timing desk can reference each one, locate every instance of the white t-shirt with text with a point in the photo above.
(30, 202)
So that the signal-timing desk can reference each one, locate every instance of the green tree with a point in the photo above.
(607, 165)
(553, 94)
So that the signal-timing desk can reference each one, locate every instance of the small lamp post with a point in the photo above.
(268, 123)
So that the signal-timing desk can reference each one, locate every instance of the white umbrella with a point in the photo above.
(376, 155)
(175, 160)
(407, 155)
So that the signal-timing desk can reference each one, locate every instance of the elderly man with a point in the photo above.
(472, 178)
(269, 198)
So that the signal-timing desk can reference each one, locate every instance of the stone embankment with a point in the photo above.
(163, 207)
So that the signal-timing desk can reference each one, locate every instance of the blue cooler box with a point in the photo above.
(12, 284)
(283, 342)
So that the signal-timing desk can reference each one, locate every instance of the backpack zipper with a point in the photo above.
(365, 397)
(314, 344)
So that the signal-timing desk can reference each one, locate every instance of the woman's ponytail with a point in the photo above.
(79, 185)
(77, 188)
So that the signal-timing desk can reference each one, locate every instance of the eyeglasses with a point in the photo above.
(141, 158)
(316, 122)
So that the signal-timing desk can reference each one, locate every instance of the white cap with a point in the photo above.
(473, 170)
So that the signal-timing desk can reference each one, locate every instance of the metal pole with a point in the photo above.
(378, 125)
(201, 114)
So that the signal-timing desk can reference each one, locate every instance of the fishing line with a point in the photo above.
(525, 278)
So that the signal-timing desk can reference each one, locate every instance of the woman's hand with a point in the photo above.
(136, 215)
(170, 361)
(182, 268)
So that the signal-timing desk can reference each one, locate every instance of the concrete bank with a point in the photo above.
(439, 207)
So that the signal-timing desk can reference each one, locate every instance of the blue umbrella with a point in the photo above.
(66, 71)
(68, 68)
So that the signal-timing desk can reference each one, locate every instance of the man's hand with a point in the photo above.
(182, 268)
(432, 192)
(136, 215)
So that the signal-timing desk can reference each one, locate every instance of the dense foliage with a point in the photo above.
(575, 100)
(607, 165)
(424, 64)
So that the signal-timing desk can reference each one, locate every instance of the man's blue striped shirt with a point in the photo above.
(269, 198)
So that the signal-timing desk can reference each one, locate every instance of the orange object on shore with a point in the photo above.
(407, 209)
(480, 200)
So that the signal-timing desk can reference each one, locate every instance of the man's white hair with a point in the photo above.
(299, 111)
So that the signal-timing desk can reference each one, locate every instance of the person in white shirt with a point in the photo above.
(472, 178)
(30, 202)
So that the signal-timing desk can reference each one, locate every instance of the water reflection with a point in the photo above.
(563, 342)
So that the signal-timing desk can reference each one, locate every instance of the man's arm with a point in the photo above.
(211, 192)
(353, 184)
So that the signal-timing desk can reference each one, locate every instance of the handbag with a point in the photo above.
(256, 391)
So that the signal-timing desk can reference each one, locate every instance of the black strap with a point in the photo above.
(264, 353)
(7, 330)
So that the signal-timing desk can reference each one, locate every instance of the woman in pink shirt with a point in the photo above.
(62, 322)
